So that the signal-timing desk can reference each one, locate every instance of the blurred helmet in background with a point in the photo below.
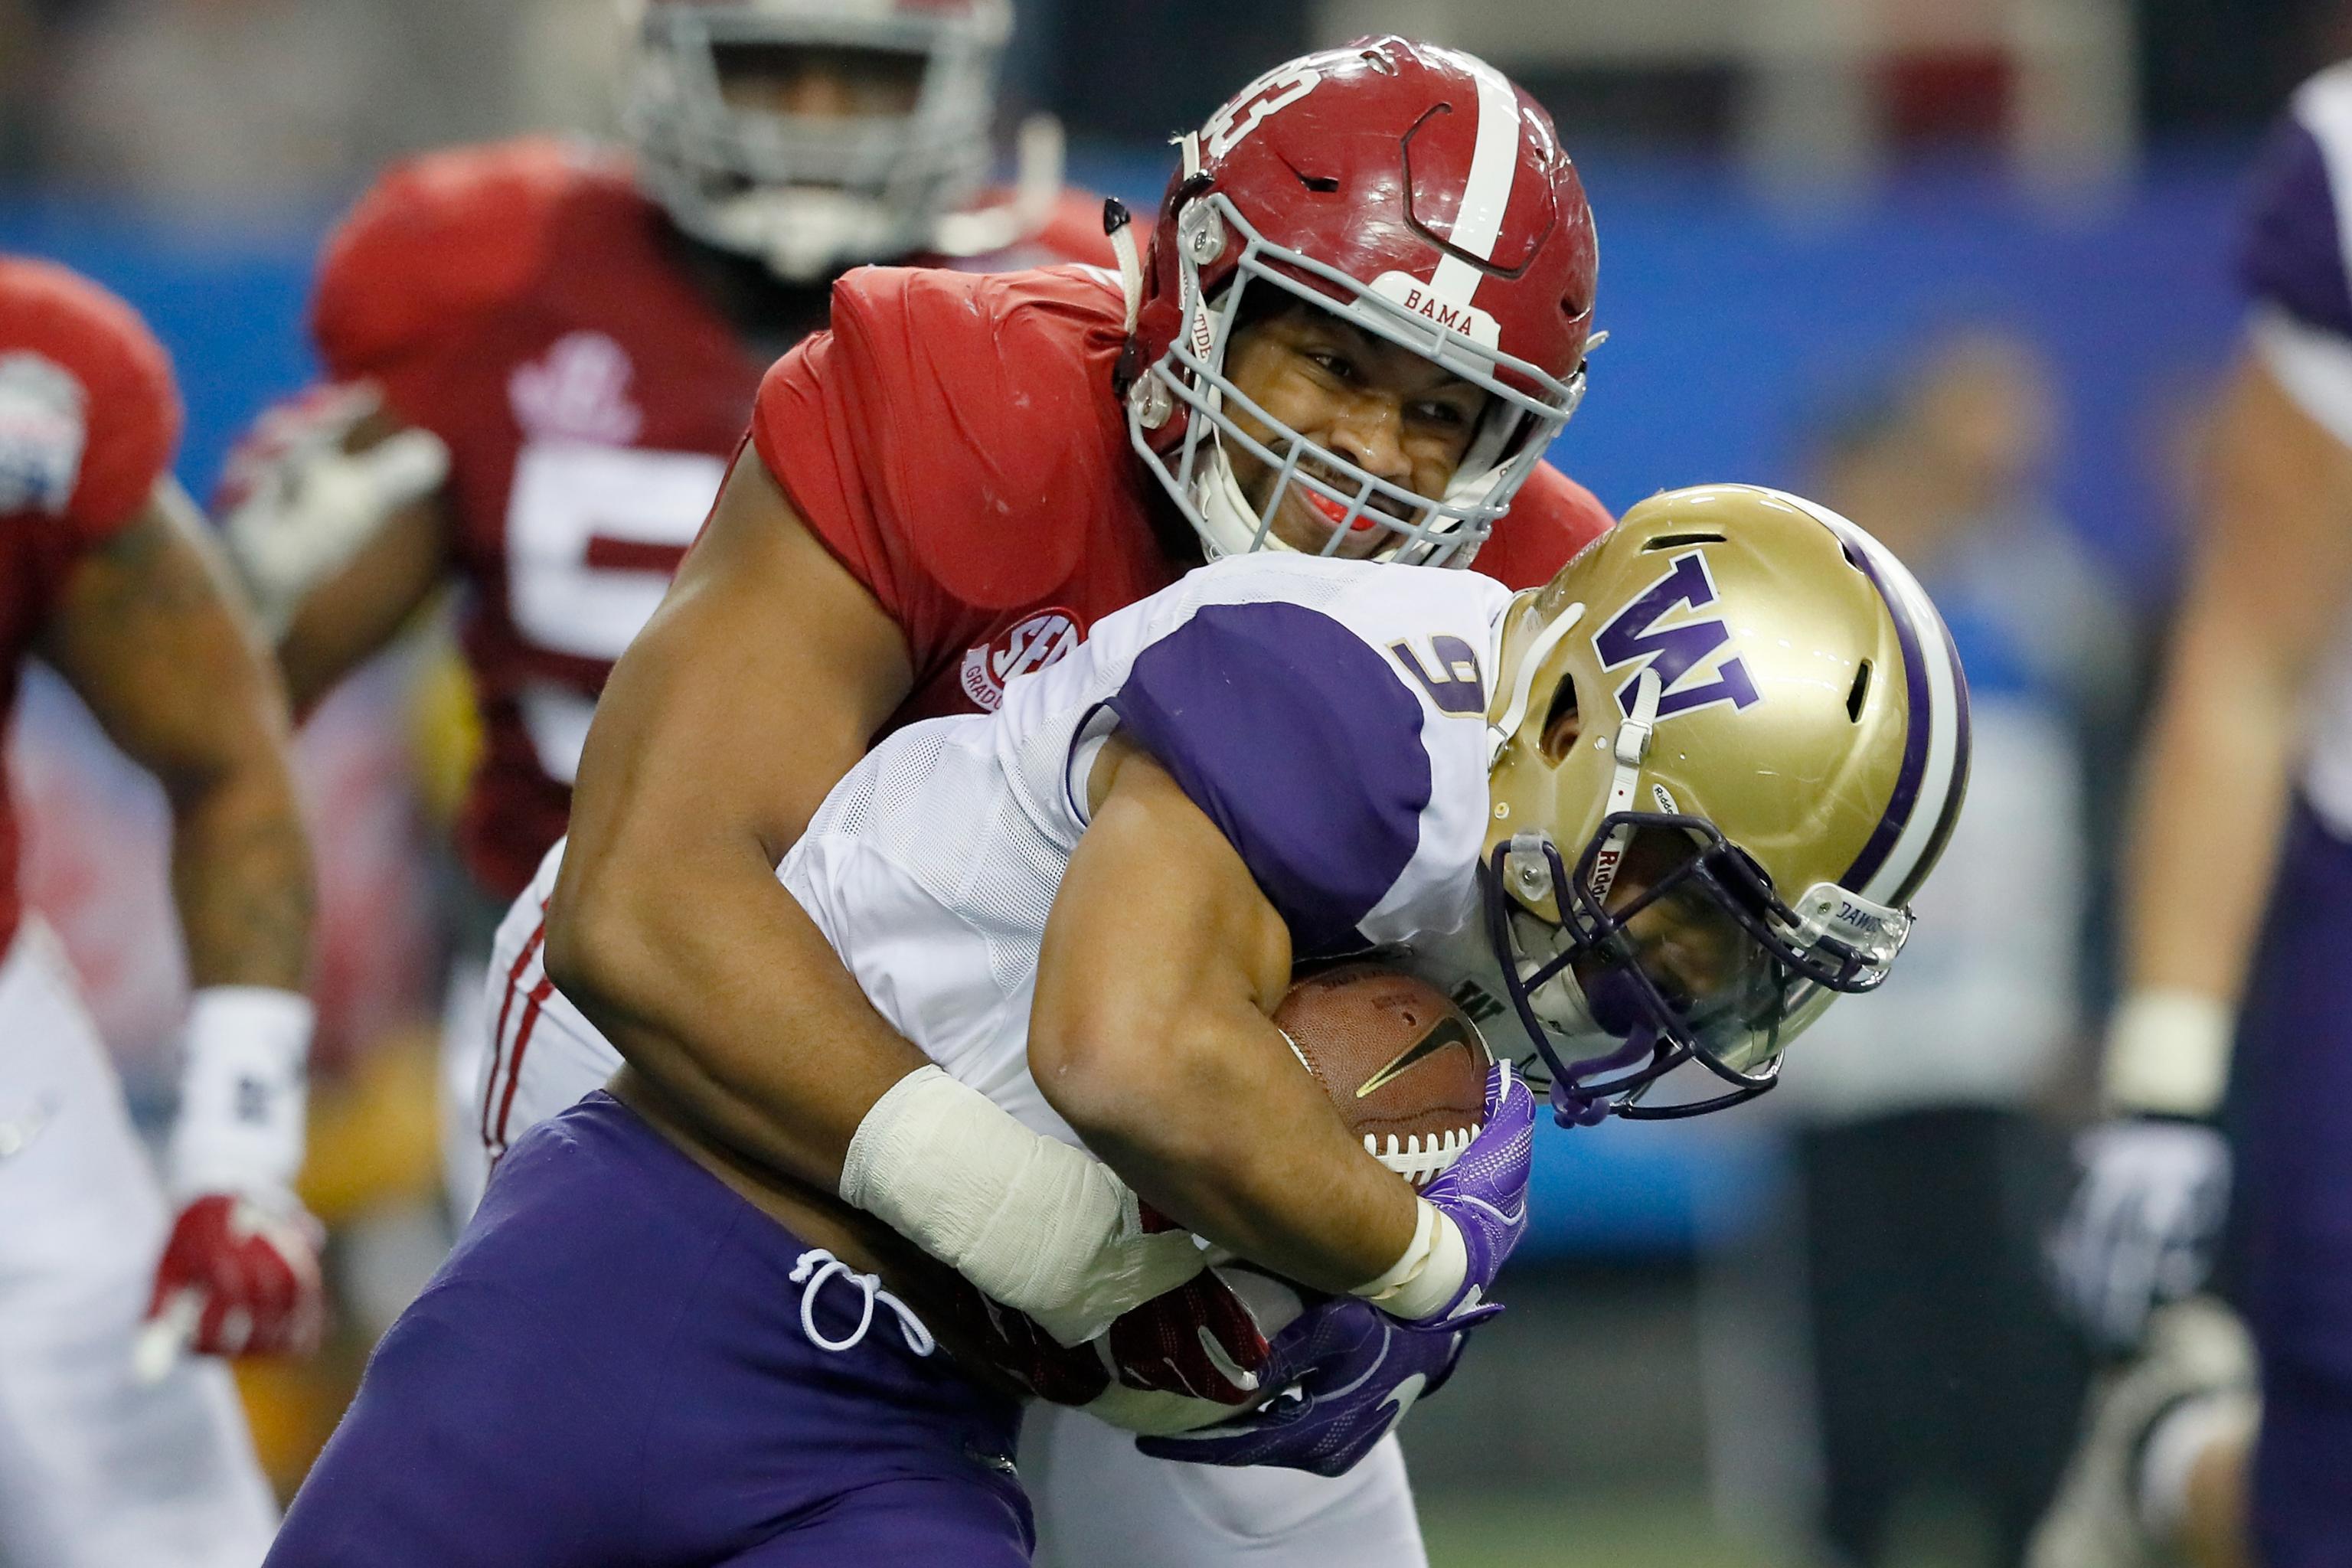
(814, 134)
(1735, 743)
(1412, 191)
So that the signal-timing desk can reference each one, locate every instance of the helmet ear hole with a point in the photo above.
(1859, 693)
(1562, 724)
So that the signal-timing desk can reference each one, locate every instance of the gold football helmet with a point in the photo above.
(1731, 740)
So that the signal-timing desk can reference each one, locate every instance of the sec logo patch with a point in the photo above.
(1032, 643)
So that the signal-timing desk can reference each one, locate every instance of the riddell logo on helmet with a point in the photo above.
(1454, 316)
(1028, 645)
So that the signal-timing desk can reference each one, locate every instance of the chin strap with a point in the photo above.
(1118, 227)
(1119, 224)
(1632, 744)
(1499, 732)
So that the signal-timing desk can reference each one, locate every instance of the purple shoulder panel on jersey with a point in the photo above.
(2291, 249)
(1303, 745)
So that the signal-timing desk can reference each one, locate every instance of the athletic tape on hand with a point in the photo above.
(2169, 1053)
(1032, 1222)
(1429, 1274)
(244, 1093)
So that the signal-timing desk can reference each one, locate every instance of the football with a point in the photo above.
(1407, 1071)
(1405, 1066)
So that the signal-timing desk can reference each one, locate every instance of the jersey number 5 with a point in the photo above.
(593, 534)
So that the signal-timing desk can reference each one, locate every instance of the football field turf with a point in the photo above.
(1668, 1528)
(1613, 1530)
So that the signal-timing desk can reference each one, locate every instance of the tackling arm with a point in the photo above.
(1151, 1035)
(752, 691)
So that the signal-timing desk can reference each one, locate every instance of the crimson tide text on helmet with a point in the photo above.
(1413, 191)
(1736, 743)
(809, 192)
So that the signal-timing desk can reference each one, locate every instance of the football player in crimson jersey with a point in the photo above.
(541, 357)
(113, 1449)
(1320, 352)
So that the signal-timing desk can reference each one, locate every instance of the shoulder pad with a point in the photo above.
(979, 402)
(446, 234)
(1301, 741)
(2291, 246)
(1551, 520)
(89, 414)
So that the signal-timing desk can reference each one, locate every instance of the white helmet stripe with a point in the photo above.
(1946, 705)
(1487, 193)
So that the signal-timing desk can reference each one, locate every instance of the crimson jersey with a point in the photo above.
(955, 442)
(526, 304)
(89, 419)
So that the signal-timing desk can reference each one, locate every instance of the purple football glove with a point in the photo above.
(1346, 1373)
(1485, 1190)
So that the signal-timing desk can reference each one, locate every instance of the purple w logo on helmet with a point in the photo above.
(1675, 652)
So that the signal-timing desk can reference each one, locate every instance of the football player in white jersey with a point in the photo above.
(2246, 798)
(1669, 807)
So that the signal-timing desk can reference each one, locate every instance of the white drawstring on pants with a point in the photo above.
(815, 1267)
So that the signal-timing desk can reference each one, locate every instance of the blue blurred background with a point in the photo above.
(1735, 322)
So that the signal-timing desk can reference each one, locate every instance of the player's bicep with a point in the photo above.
(2272, 569)
(149, 632)
(1157, 927)
(754, 686)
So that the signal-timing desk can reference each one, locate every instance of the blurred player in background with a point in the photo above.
(113, 1449)
(1326, 351)
(2246, 795)
(1930, 1359)
(541, 355)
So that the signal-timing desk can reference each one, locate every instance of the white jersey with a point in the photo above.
(2296, 256)
(1329, 716)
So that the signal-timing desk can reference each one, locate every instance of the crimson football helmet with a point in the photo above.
(811, 193)
(1412, 191)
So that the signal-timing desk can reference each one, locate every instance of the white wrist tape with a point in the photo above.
(1429, 1275)
(244, 1092)
(1032, 1222)
(2169, 1051)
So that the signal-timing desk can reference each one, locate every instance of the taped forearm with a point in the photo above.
(1032, 1222)
(1429, 1274)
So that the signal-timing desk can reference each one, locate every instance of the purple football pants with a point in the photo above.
(2294, 1165)
(610, 1369)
